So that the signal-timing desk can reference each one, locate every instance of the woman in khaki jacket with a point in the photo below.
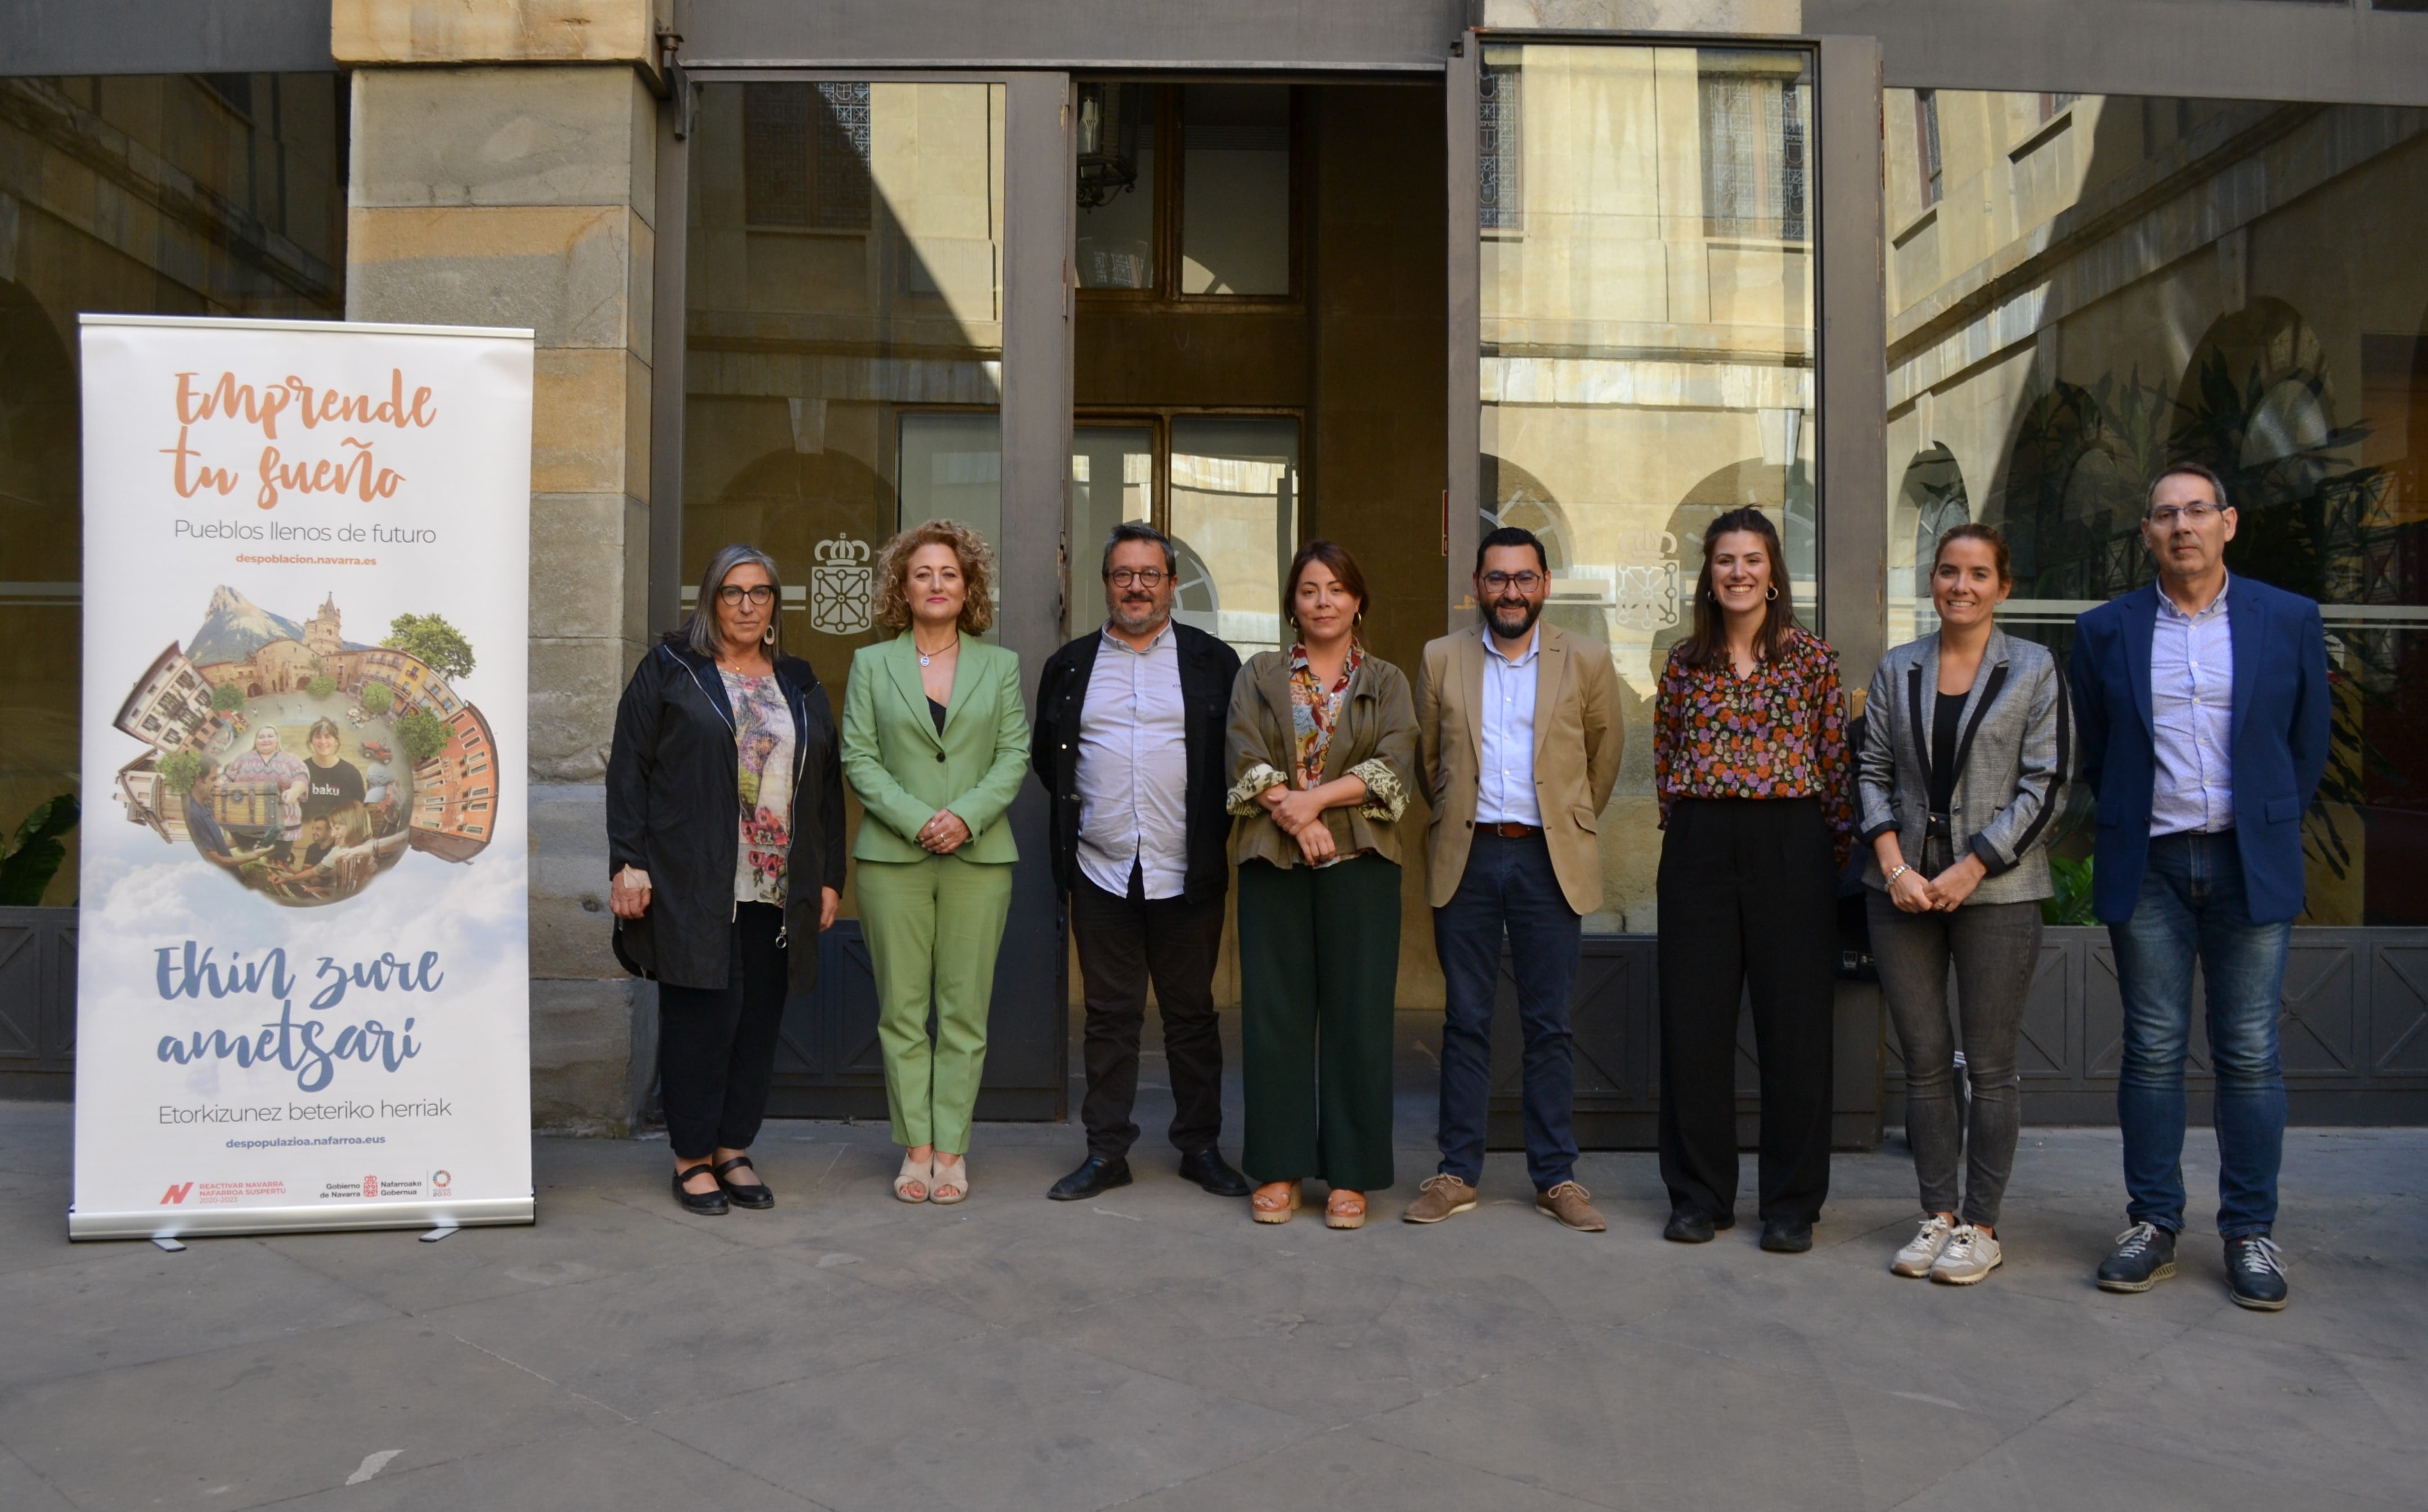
(1322, 744)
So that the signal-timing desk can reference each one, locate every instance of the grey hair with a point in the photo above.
(700, 630)
(2188, 469)
(1139, 530)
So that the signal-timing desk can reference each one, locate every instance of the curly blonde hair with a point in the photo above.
(893, 612)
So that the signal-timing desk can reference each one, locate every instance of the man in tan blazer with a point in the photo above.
(1519, 722)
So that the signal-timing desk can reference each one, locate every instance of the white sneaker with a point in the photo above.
(1920, 1251)
(1970, 1255)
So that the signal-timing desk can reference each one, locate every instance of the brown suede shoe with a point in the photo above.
(1439, 1197)
(1567, 1202)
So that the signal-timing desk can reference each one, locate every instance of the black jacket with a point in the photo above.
(1208, 670)
(674, 808)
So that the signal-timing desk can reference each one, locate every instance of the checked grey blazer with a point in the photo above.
(2014, 761)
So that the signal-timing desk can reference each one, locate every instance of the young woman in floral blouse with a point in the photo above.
(1323, 741)
(1749, 754)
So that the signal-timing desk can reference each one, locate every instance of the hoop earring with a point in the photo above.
(767, 637)
(1769, 596)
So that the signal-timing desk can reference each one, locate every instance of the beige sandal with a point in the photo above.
(950, 1187)
(1265, 1210)
(916, 1179)
(1344, 1209)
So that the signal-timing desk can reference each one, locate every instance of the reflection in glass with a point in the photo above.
(1116, 149)
(1112, 481)
(845, 331)
(1234, 503)
(1234, 189)
(951, 467)
(177, 194)
(1646, 363)
(843, 314)
(2233, 282)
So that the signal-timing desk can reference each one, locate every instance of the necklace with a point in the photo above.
(926, 657)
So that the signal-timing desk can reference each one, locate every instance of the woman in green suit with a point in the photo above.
(935, 741)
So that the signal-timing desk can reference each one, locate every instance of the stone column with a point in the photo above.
(503, 172)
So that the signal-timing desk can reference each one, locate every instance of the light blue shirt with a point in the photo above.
(2191, 719)
(1505, 777)
(1134, 768)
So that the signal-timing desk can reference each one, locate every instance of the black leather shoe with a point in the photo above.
(1687, 1227)
(2254, 1272)
(1096, 1176)
(1208, 1168)
(753, 1195)
(706, 1204)
(1786, 1237)
(2143, 1257)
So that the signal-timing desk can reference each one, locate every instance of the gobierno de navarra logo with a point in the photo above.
(304, 764)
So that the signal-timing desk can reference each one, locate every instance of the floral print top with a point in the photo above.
(1316, 709)
(763, 734)
(1780, 733)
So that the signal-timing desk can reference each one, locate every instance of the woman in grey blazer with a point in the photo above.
(1967, 748)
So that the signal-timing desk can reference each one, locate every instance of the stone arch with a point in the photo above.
(1931, 499)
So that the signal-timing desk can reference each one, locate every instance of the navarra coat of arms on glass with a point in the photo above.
(842, 593)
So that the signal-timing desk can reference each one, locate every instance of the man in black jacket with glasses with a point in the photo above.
(1128, 742)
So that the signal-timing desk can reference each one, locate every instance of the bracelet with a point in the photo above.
(1902, 869)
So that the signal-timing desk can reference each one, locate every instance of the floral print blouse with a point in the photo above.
(1780, 733)
(1316, 709)
(763, 734)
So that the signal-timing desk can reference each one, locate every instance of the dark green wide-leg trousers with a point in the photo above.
(1318, 967)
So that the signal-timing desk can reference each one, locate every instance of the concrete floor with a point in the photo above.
(1155, 1349)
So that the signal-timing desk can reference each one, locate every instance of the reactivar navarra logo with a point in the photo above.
(177, 1193)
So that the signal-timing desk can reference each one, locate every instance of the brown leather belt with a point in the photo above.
(1512, 832)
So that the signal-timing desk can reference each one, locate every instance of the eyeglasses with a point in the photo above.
(1522, 582)
(2165, 516)
(759, 595)
(1148, 578)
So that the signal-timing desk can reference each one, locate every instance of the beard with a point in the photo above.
(1138, 616)
(1497, 613)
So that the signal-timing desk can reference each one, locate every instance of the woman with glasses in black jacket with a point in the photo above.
(725, 840)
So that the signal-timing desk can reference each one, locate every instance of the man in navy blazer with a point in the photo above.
(2202, 701)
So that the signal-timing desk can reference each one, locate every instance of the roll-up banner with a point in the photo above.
(302, 988)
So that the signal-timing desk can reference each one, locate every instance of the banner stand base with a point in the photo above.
(331, 1217)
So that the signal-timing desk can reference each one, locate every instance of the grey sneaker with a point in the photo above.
(1920, 1251)
(1969, 1255)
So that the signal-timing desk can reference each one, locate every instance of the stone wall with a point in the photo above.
(505, 173)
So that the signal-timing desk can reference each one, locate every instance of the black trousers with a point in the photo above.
(1748, 895)
(1124, 943)
(716, 1045)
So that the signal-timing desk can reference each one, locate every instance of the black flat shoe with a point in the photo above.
(1208, 1168)
(706, 1204)
(754, 1195)
(1687, 1227)
(1096, 1176)
(1786, 1237)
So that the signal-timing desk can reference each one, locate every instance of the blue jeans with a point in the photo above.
(2191, 906)
(1508, 885)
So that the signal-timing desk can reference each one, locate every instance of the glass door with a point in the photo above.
(853, 293)
(1644, 247)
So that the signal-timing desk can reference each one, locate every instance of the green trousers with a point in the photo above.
(933, 928)
(1318, 967)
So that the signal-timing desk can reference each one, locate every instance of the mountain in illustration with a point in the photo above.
(236, 627)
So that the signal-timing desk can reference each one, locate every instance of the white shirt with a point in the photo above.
(1506, 775)
(2191, 719)
(1134, 768)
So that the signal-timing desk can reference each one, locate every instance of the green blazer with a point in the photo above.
(904, 771)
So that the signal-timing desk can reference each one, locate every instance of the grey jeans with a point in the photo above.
(1996, 947)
